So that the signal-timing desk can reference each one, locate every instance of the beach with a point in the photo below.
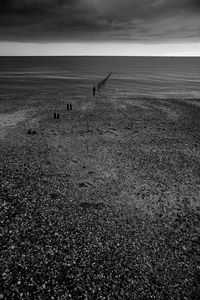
(102, 203)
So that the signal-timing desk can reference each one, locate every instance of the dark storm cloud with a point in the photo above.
(66, 20)
(33, 6)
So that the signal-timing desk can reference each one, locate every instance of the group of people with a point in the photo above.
(69, 106)
(57, 115)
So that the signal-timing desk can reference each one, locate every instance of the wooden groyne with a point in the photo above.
(103, 82)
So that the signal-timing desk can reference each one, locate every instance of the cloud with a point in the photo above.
(69, 20)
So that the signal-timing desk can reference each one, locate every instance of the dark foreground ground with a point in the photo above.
(102, 203)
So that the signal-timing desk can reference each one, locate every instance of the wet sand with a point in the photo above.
(102, 203)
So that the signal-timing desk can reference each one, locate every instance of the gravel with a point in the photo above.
(102, 203)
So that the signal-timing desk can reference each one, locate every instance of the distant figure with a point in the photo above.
(70, 106)
(54, 115)
(94, 90)
(58, 116)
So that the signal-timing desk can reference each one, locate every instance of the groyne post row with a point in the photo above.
(57, 115)
(101, 83)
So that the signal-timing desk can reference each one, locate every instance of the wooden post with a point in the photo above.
(101, 84)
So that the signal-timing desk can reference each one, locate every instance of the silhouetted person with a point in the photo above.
(54, 115)
(58, 116)
(94, 90)
(70, 106)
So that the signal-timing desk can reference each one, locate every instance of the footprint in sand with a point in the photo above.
(54, 196)
(112, 133)
(128, 128)
(92, 205)
(91, 172)
(85, 184)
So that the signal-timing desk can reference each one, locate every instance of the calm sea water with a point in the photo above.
(131, 76)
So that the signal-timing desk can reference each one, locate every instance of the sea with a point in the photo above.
(132, 77)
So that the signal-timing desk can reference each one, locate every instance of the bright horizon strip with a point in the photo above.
(99, 49)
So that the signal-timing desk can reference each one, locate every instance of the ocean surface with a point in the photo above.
(132, 77)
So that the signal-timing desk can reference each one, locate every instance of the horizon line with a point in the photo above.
(181, 56)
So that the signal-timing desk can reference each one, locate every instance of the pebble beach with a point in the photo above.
(102, 203)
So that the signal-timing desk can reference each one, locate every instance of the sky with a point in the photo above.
(100, 27)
